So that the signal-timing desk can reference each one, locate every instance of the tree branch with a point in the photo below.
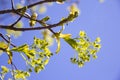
(27, 29)
(2, 49)
(41, 2)
(35, 28)
(29, 6)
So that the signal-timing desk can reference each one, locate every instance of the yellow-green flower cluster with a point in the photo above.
(37, 55)
(43, 54)
(21, 75)
(85, 48)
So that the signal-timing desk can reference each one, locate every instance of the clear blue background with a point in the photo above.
(96, 19)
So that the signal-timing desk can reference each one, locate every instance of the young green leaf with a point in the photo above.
(65, 36)
(71, 42)
(58, 45)
(21, 48)
(45, 19)
(58, 42)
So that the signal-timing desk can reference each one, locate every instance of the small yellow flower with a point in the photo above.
(4, 69)
(82, 34)
(93, 52)
(98, 39)
(46, 61)
(80, 64)
(97, 46)
(94, 56)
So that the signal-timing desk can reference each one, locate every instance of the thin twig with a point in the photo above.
(13, 67)
(12, 3)
(27, 16)
(51, 30)
(13, 72)
(9, 57)
(34, 20)
(16, 21)
(1, 76)
(6, 40)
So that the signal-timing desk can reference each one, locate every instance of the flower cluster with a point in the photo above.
(37, 56)
(84, 48)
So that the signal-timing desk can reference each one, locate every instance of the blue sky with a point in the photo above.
(96, 19)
